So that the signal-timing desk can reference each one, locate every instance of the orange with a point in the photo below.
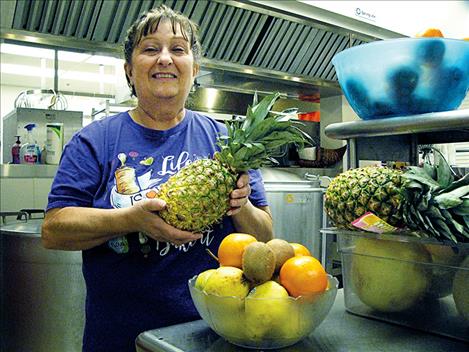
(230, 252)
(299, 249)
(303, 276)
(430, 32)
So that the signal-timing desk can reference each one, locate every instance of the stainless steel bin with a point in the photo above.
(297, 210)
(43, 293)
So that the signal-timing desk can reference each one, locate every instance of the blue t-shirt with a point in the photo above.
(134, 283)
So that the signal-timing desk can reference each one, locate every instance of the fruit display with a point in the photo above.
(272, 301)
(427, 199)
(198, 195)
(403, 232)
(429, 74)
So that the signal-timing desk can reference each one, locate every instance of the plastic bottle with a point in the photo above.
(30, 153)
(15, 151)
(54, 143)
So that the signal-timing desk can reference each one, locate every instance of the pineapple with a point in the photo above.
(357, 191)
(198, 195)
(427, 199)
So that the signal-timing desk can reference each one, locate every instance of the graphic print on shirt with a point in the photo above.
(130, 188)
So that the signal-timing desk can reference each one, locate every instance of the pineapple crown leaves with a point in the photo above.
(452, 199)
(437, 177)
(259, 111)
(435, 201)
(249, 144)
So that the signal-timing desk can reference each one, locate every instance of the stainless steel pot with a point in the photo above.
(297, 210)
(43, 291)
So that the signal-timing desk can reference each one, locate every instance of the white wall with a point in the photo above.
(75, 103)
(406, 17)
(9, 93)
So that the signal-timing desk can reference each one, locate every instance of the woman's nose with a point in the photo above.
(165, 57)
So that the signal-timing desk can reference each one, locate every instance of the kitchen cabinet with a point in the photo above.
(25, 186)
(17, 193)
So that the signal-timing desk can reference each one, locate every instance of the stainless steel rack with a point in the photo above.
(392, 139)
(397, 138)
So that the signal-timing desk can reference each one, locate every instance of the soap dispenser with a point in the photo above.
(15, 151)
(30, 153)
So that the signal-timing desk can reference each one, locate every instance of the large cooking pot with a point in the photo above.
(43, 291)
(297, 207)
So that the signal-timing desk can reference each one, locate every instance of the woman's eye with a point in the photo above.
(150, 49)
(179, 49)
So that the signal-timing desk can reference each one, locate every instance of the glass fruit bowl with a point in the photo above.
(401, 77)
(263, 323)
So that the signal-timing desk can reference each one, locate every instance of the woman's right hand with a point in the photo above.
(144, 215)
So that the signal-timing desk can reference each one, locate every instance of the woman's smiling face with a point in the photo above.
(162, 65)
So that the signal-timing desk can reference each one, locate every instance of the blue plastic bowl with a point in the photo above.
(402, 77)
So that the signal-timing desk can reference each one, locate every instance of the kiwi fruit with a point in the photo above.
(282, 250)
(258, 262)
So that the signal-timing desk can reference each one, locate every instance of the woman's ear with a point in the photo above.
(195, 70)
(128, 73)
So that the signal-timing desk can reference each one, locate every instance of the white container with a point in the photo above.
(54, 142)
(308, 153)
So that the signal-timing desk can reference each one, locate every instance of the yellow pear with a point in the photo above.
(267, 308)
(202, 279)
(227, 281)
(226, 290)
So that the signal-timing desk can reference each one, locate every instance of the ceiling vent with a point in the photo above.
(230, 31)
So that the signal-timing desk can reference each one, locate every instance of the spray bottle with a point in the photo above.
(15, 151)
(30, 153)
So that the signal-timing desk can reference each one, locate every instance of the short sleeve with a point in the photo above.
(78, 176)
(258, 196)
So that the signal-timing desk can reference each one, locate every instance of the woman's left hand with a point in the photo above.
(239, 196)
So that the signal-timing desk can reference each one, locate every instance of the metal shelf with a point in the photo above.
(398, 138)
(394, 139)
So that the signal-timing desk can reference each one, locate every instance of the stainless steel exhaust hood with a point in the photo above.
(241, 37)
(235, 103)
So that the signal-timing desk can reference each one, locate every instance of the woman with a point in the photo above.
(102, 202)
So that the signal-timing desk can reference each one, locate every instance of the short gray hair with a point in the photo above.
(148, 23)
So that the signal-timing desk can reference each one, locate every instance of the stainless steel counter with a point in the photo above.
(340, 331)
